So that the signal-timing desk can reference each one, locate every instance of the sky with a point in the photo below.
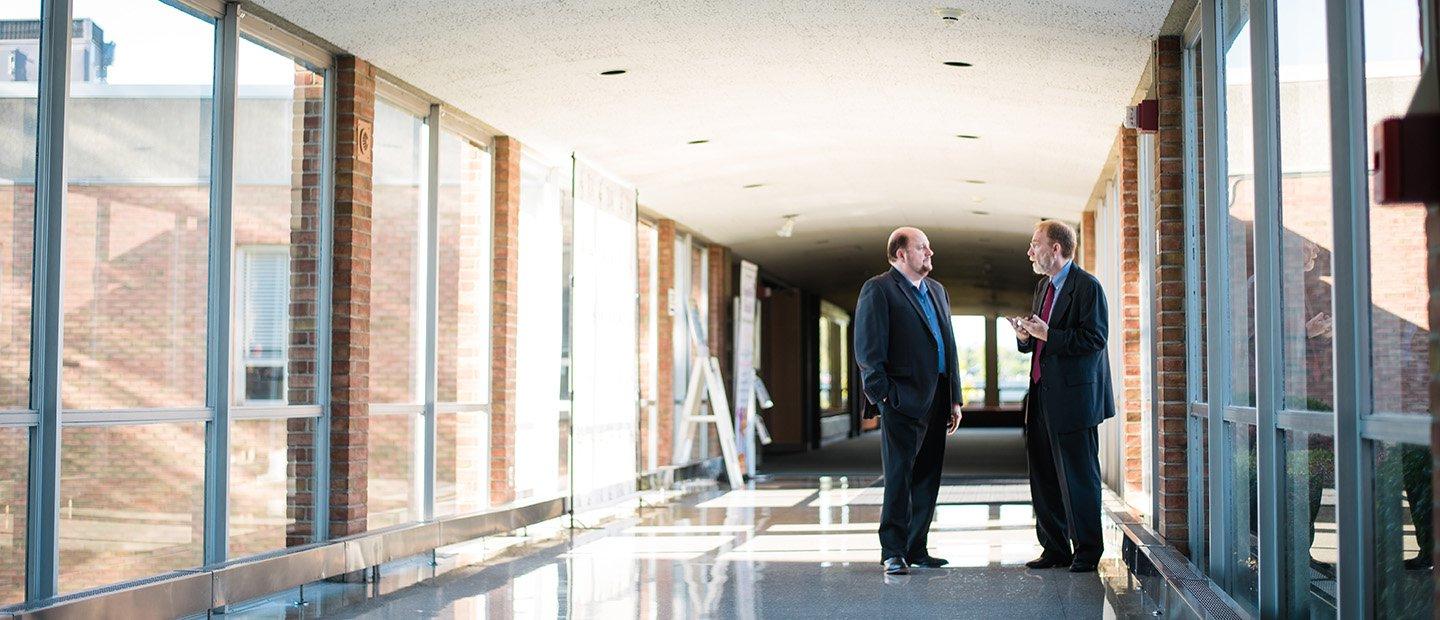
(158, 44)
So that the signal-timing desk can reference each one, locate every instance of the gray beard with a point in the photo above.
(1039, 271)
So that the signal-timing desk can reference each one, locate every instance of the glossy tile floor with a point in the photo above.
(786, 548)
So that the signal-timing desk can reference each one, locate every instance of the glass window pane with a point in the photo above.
(463, 337)
(834, 360)
(390, 472)
(137, 160)
(278, 151)
(648, 286)
(1014, 366)
(399, 206)
(19, 72)
(1308, 543)
(538, 356)
(1404, 541)
(1195, 168)
(14, 476)
(131, 502)
(1197, 451)
(970, 356)
(1306, 236)
(271, 464)
(1242, 507)
(1240, 231)
(462, 463)
(1400, 326)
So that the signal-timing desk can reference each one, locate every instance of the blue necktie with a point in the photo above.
(934, 322)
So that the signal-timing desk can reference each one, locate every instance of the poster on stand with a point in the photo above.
(745, 366)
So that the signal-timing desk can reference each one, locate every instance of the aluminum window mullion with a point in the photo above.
(1269, 458)
(431, 315)
(1348, 165)
(218, 327)
(1393, 428)
(1217, 295)
(1305, 422)
(1194, 461)
(323, 314)
(42, 546)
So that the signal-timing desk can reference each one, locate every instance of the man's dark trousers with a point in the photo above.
(1064, 485)
(913, 453)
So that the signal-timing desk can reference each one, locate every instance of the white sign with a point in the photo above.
(745, 365)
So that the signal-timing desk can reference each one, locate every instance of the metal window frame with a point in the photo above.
(426, 470)
(1192, 213)
(1145, 150)
(42, 547)
(1351, 269)
(284, 41)
(1217, 295)
(218, 325)
(1270, 464)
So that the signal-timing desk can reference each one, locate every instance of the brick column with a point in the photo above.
(350, 309)
(1087, 240)
(1129, 331)
(665, 343)
(1171, 480)
(504, 319)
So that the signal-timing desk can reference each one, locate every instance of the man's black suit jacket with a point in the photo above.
(1075, 371)
(896, 349)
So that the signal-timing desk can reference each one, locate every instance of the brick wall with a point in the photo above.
(1169, 318)
(1129, 299)
(504, 318)
(1087, 240)
(350, 309)
(665, 343)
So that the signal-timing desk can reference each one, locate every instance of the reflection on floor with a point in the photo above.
(969, 452)
(781, 549)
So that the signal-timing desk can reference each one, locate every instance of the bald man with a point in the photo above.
(905, 346)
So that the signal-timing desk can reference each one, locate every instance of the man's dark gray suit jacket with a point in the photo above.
(896, 349)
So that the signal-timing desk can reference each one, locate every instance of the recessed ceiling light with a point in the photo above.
(958, 63)
(697, 142)
(753, 186)
(613, 72)
(967, 136)
(975, 181)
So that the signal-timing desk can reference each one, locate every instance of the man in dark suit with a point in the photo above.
(1070, 394)
(905, 346)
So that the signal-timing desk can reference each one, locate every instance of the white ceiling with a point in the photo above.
(843, 110)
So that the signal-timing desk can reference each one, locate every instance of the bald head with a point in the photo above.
(909, 251)
(899, 240)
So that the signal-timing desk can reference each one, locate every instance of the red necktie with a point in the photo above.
(1040, 344)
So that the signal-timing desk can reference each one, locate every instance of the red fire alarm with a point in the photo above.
(1407, 159)
(1148, 115)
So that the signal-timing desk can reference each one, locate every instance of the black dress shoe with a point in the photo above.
(1081, 566)
(928, 561)
(1045, 561)
(896, 566)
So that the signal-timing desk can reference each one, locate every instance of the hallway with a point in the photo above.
(781, 549)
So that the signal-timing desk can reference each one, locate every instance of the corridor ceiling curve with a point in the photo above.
(843, 113)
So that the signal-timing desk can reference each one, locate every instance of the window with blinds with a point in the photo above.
(264, 297)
